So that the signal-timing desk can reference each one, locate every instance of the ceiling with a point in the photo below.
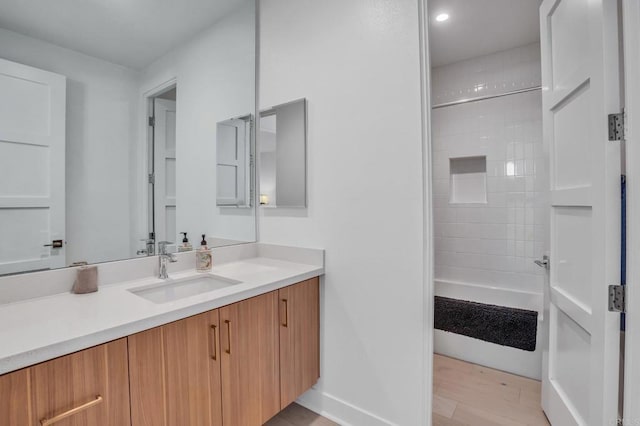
(132, 33)
(480, 27)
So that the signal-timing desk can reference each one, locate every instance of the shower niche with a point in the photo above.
(468, 180)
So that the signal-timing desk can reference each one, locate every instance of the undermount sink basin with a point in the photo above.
(171, 289)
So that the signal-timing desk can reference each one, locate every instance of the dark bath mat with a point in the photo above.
(496, 324)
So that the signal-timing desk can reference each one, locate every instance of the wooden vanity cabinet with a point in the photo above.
(86, 388)
(299, 339)
(238, 365)
(175, 373)
(250, 361)
(220, 367)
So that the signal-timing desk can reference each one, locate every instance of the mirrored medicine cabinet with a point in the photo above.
(283, 155)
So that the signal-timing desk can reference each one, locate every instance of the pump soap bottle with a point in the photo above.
(186, 245)
(204, 259)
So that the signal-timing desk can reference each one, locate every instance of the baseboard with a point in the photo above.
(339, 411)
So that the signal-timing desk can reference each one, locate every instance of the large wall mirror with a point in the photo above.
(110, 118)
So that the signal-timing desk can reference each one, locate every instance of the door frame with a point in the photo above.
(145, 110)
(427, 216)
(159, 193)
(630, 10)
(631, 41)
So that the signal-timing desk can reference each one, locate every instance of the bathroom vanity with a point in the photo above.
(233, 355)
(116, 155)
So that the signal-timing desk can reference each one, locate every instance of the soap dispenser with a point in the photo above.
(204, 259)
(186, 245)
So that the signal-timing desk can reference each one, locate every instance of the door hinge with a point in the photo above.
(152, 179)
(616, 126)
(152, 121)
(617, 302)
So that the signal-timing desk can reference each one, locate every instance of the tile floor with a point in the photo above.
(296, 415)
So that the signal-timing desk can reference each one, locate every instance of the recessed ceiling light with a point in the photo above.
(442, 17)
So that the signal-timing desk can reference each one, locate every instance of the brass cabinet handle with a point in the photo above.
(286, 313)
(52, 420)
(215, 347)
(228, 350)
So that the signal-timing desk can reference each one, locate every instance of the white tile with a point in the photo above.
(492, 243)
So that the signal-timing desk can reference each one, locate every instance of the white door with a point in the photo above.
(580, 65)
(32, 168)
(165, 170)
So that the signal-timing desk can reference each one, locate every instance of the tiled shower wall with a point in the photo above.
(493, 243)
(493, 74)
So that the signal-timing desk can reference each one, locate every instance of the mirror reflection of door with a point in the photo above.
(164, 167)
(32, 160)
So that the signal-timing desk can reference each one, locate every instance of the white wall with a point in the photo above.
(492, 244)
(101, 113)
(357, 63)
(215, 75)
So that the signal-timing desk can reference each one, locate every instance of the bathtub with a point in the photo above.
(516, 361)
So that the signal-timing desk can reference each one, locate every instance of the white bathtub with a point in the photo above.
(516, 361)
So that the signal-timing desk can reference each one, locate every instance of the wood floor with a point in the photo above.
(469, 394)
(464, 395)
(296, 415)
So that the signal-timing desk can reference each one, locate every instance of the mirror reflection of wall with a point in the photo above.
(283, 155)
(80, 161)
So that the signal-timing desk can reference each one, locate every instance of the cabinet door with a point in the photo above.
(87, 388)
(14, 399)
(175, 373)
(299, 339)
(250, 361)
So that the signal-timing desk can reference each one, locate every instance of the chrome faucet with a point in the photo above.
(163, 257)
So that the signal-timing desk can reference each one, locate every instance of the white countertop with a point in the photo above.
(40, 329)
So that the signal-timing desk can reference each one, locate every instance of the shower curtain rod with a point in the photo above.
(484, 98)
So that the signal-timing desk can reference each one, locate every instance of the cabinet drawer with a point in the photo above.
(87, 388)
(14, 399)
